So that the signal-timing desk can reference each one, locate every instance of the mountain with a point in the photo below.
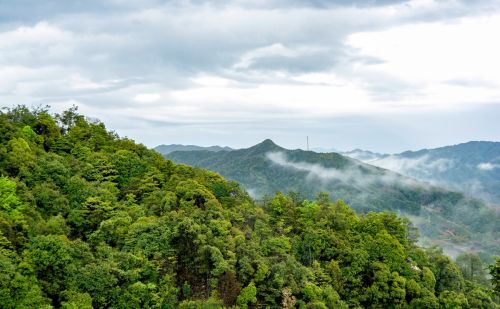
(166, 149)
(92, 220)
(472, 168)
(266, 168)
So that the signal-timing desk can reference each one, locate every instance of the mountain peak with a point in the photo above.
(266, 146)
(268, 142)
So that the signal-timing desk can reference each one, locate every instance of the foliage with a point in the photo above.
(88, 219)
(442, 216)
(495, 274)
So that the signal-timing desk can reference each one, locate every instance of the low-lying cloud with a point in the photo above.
(428, 219)
(349, 175)
(423, 165)
(487, 166)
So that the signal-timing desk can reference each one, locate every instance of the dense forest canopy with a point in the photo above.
(89, 219)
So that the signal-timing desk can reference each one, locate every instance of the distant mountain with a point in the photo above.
(442, 215)
(166, 149)
(472, 168)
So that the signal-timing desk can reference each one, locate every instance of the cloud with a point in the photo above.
(363, 155)
(314, 170)
(280, 57)
(207, 63)
(78, 82)
(147, 97)
(487, 166)
(426, 56)
(422, 165)
(41, 34)
(351, 174)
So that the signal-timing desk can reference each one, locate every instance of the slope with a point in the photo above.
(91, 220)
(472, 168)
(442, 216)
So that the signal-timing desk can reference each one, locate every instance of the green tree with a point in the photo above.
(248, 295)
(50, 257)
(46, 127)
(89, 219)
(18, 290)
(495, 275)
(452, 300)
(472, 267)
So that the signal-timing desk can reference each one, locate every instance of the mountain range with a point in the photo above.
(444, 217)
(472, 168)
(166, 149)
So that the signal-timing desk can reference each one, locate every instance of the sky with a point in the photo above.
(386, 76)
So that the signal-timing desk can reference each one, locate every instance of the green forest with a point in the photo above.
(445, 218)
(92, 220)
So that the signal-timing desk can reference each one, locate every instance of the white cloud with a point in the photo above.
(249, 58)
(349, 174)
(147, 97)
(42, 33)
(427, 56)
(314, 170)
(79, 82)
(423, 165)
(275, 50)
(212, 81)
(487, 166)
(248, 62)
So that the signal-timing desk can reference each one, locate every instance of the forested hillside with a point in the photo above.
(444, 217)
(89, 219)
(472, 168)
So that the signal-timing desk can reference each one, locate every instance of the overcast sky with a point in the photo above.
(380, 75)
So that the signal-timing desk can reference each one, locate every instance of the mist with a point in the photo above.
(351, 175)
(423, 164)
(429, 219)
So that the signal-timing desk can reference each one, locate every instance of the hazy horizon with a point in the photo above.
(314, 148)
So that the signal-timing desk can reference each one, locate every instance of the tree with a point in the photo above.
(495, 275)
(13, 222)
(448, 275)
(453, 300)
(472, 268)
(88, 219)
(46, 127)
(19, 159)
(248, 295)
(50, 257)
(18, 290)
(76, 300)
(68, 118)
